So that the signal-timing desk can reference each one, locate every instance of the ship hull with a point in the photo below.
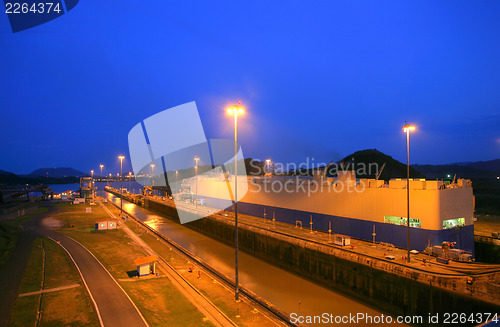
(358, 228)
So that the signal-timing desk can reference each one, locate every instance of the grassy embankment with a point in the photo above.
(8, 237)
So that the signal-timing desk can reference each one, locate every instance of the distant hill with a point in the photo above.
(368, 163)
(56, 172)
(479, 169)
(490, 166)
(39, 176)
(6, 173)
(375, 158)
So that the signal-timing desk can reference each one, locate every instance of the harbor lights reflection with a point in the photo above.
(153, 221)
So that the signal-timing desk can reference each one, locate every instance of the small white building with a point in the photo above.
(104, 224)
(146, 265)
(342, 240)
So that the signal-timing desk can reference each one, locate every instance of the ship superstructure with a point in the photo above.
(357, 207)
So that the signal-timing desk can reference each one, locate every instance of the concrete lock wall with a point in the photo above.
(385, 285)
(390, 287)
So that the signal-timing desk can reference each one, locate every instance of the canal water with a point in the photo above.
(278, 286)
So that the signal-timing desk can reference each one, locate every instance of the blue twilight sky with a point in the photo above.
(318, 79)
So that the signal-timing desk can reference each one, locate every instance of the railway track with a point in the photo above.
(472, 269)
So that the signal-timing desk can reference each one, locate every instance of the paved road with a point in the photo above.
(115, 308)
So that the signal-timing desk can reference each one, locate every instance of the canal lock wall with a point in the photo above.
(386, 285)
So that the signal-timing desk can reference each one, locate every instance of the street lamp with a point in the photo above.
(129, 181)
(152, 178)
(407, 128)
(121, 184)
(92, 183)
(110, 176)
(196, 159)
(176, 180)
(101, 166)
(235, 110)
(268, 161)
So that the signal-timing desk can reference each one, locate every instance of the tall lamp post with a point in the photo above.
(101, 166)
(121, 184)
(196, 159)
(268, 161)
(235, 110)
(407, 128)
(92, 183)
(176, 180)
(152, 178)
(129, 181)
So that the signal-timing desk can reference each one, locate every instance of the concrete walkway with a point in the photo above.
(55, 289)
(204, 305)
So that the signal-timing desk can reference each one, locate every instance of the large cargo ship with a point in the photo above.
(356, 207)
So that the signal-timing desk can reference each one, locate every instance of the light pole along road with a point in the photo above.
(407, 128)
(196, 159)
(102, 191)
(92, 183)
(121, 184)
(235, 110)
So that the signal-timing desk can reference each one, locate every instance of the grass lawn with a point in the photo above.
(77, 308)
(7, 245)
(216, 293)
(24, 311)
(75, 215)
(163, 305)
(8, 240)
(14, 224)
